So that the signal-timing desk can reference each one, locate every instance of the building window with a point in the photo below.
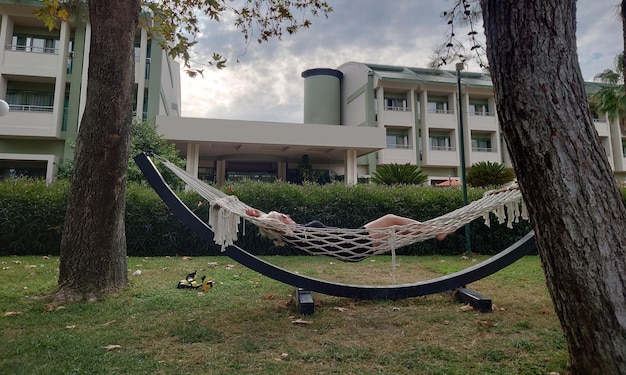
(29, 43)
(396, 104)
(440, 141)
(479, 109)
(30, 101)
(624, 148)
(397, 138)
(438, 105)
(481, 143)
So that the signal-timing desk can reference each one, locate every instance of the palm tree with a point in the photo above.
(611, 99)
(394, 174)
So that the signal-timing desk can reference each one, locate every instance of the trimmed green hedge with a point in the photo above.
(32, 216)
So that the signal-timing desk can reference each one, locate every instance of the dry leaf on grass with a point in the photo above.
(212, 264)
(71, 327)
(486, 323)
(186, 258)
(229, 266)
(108, 323)
(112, 347)
(30, 266)
(50, 307)
(301, 321)
(467, 307)
(340, 309)
(17, 262)
(137, 273)
(13, 313)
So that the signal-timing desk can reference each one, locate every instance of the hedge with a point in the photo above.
(32, 216)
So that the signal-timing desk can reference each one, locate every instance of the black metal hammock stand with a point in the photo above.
(229, 211)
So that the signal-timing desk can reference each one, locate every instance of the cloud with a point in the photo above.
(263, 82)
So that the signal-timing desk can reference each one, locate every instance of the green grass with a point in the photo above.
(244, 325)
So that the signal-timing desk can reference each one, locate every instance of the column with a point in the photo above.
(350, 168)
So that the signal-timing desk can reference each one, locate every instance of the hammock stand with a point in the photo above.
(454, 281)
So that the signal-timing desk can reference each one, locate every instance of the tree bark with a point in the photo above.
(574, 203)
(93, 247)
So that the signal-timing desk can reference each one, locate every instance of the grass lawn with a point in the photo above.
(247, 323)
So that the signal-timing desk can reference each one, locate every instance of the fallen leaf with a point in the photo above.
(269, 296)
(212, 264)
(186, 258)
(467, 307)
(48, 307)
(13, 313)
(301, 321)
(6, 268)
(71, 327)
(137, 273)
(229, 266)
(446, 322)
(112, 347)
(340, 309)
(45, 257)
(17, 262)
(59, 308)
(546, 310)
(108, 323)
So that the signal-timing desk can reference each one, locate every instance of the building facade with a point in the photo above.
(43, 78)
(386, 114)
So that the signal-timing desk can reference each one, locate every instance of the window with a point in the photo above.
(438, 105)
(30, 101)
(440, 141)
(481, 143)
(623, 148)
(396, 104)
(397, 138)
(479, 109)
(35, 44)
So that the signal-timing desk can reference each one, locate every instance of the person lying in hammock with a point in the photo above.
(385, 221)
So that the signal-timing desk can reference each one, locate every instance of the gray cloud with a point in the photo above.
(265, 83)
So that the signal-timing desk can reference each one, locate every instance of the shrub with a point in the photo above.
(399, 174)
(32, 216)
(486, 173)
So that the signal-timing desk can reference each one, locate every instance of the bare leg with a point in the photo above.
(390, 220)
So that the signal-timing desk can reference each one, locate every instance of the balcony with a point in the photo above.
(398, 155)
(396, 116)
(21, 60)
(30, 121)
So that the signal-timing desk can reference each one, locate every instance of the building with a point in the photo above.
(362, 115)
(43, 77)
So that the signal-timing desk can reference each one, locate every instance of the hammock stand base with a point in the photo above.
(442, 284)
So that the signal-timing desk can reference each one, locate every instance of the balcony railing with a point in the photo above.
(482, 113)
(483, 149)
(399, 146)
(400, 109)
(30, 108)
(441, 111)
(599, 120)
(17, 47)
(442, 148)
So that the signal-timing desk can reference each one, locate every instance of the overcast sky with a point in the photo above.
(265, 84)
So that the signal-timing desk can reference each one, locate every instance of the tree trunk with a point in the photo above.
(575, 205)
(93, 247)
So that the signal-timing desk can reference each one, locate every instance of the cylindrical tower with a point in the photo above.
(322, 96)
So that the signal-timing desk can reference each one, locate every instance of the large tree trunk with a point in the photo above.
(93, 247)
(574, 203)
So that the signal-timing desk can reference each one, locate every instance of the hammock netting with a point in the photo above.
(352, 245)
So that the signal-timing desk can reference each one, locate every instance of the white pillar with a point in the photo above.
(193, 158)
(220, 172)
(282, 171)
(350, 168)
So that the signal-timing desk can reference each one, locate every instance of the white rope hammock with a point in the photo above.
(351, 245)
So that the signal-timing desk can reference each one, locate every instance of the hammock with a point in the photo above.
(350, 245)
